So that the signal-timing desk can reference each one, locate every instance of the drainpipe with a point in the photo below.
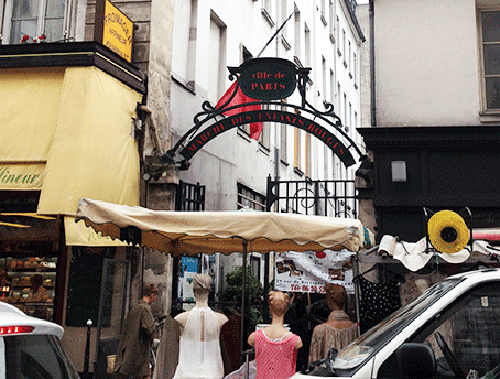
(373, 82)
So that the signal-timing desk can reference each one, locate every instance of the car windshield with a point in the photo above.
(35, 356)
(352, 357)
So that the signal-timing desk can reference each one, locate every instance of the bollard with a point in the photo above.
(86, 374)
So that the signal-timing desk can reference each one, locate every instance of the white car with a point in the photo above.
(451, 331)
(31, 348)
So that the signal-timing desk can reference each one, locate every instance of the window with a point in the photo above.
(326, 155)
(309, 155)
(344, 46)
(248, 198)
(323, 12)
(490, 39)
(36, 356)
(284, 16)
(266, 11)
(297, 33)
(355, 68)
(265, 136)
(331, 26)
(345, 110)
(283, 138)
(466, 332)
(297, 149)
(350, 118)
(332, 87)
(338, 37)
(184, 42)
(323, 72)
(338, 99)
(307, 41)
(217, 58)
(349, 56)
(34, 18)
(266, 5)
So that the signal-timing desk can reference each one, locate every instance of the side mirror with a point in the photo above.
(415, 361)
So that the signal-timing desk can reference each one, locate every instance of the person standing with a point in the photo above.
(134, 348)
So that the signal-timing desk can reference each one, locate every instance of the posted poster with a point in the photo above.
(311, 271)
(185, 288)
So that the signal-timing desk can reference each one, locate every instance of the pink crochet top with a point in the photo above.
(275, 359)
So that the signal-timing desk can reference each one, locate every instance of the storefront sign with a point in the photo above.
(311, 271)
(268, 78)
(274, 116)
(21, 176)
(114, 29)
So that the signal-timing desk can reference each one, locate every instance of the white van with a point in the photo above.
(451, 331)
(31, 348)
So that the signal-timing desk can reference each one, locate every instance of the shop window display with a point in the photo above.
(29, 284)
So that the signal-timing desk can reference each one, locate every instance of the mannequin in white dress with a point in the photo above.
(199, 348)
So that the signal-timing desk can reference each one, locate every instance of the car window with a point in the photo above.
(36, 356)
(465, 337)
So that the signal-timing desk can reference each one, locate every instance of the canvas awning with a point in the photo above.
(190, 233)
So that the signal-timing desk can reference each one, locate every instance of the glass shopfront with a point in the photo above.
(29, 284)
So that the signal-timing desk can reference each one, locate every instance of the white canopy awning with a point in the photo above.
(210, 232)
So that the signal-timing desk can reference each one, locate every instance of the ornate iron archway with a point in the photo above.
(265, 82)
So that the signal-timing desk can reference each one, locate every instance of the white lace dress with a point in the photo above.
(199, 349)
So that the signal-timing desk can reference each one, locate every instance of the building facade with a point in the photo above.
(179, 59)
(434, 111)
(210, 36)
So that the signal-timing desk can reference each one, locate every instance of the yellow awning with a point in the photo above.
(77, 136)
(93, 151)
(30, 106)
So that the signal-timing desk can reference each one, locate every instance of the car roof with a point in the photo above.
(11, 316)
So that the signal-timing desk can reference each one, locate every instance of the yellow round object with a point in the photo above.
(447, 232)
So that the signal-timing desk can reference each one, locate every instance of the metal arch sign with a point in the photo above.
(284, 117)
(263, 82)
(268, 78)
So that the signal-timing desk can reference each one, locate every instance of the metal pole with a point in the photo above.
(86, 374)
(243, 293)
(99, 314)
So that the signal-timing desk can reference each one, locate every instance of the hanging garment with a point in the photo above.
(247, 370)
(230, 334)
(276, 359)
(168, 351)
(303, 327)
(326, 336)
(199, 348)
(377, 301)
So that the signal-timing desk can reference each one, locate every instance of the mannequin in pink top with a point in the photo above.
(275, 347)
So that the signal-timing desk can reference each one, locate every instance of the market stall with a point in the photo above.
(190, 233)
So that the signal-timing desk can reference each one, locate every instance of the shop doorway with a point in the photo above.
(113, 305)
